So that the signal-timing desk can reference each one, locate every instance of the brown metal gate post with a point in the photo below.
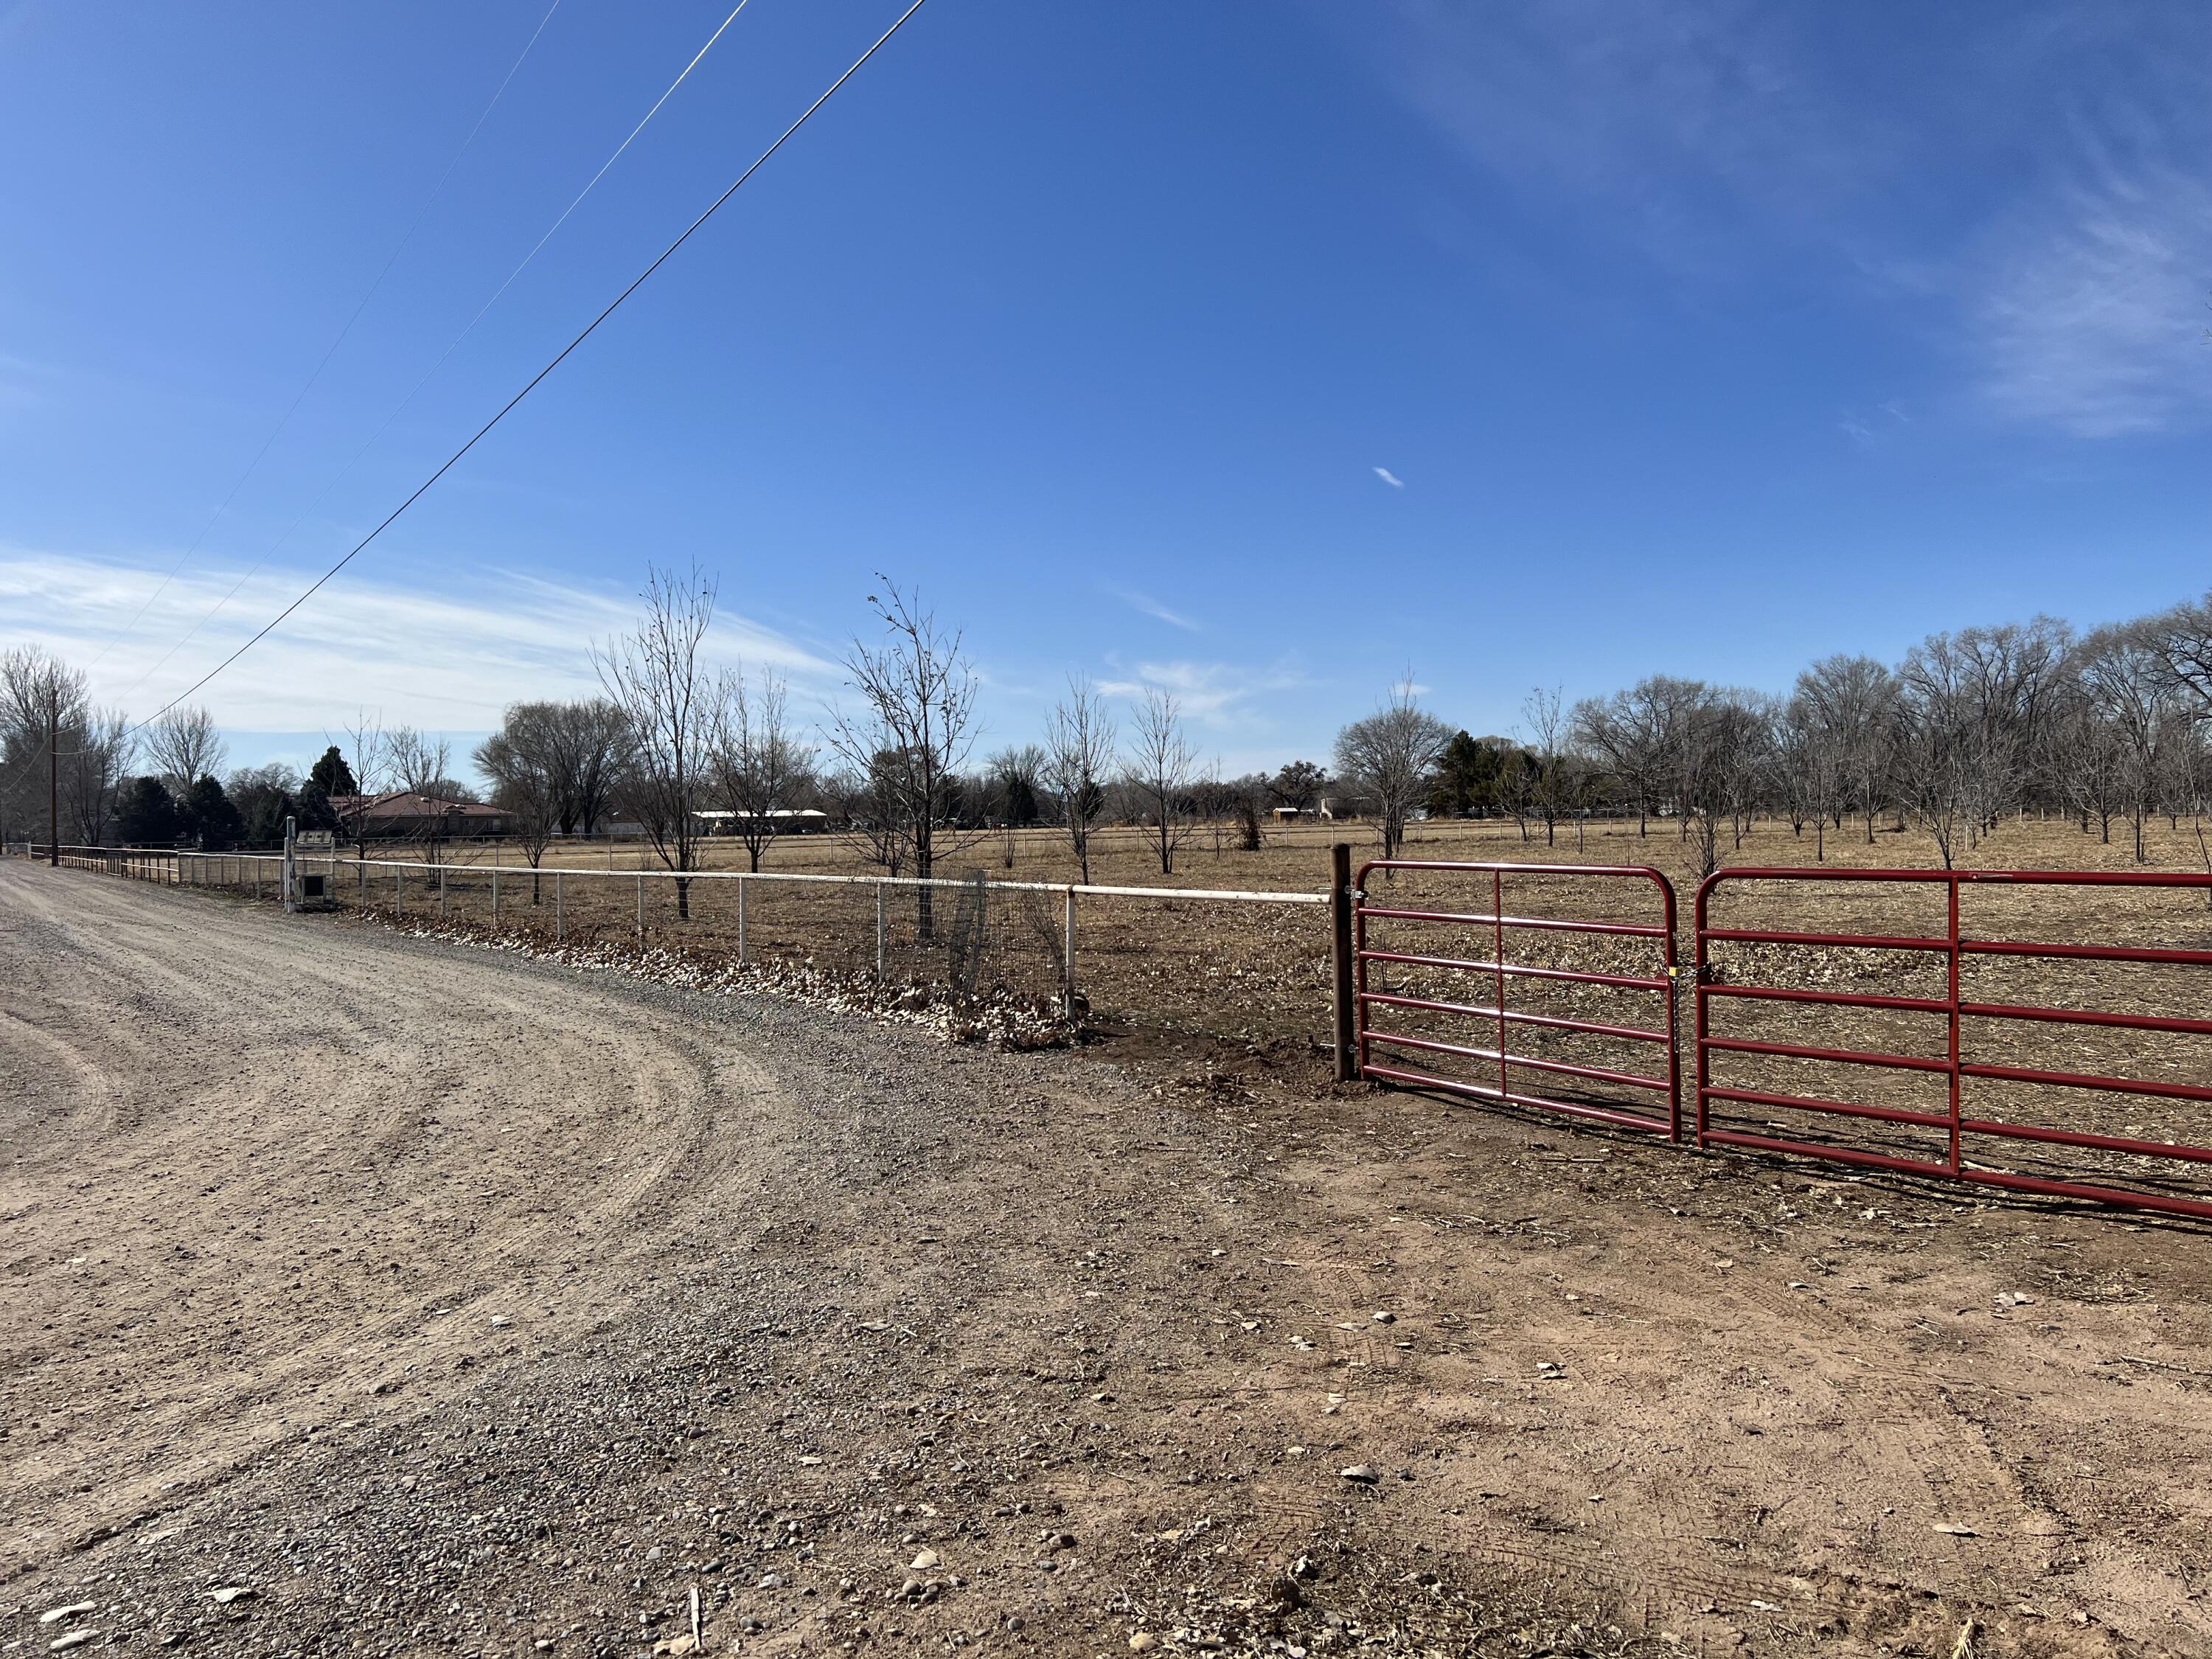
(1340, 961)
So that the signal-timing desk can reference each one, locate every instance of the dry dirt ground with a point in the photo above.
(365, 1293)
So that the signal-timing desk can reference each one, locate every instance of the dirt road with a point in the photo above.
(443, 1301)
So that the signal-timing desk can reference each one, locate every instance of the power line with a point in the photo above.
(454, 346)
(588, 330)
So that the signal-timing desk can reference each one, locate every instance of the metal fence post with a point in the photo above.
(1344, 1009)
(442, 892)
(560, 921)
(741, 922)
(879, 931)
(1067, 960)
(641, 906)
(494, 896)
(398, 892)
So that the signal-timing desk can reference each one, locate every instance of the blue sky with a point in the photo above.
(1262, 351)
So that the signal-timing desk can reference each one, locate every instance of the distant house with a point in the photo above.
(781, 820)
(1332, 808)
(403, 815)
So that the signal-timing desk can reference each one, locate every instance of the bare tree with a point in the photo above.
(1390, 756)
(590, 752)
(861, 803)
(1079, 749)
(760, 764)
(1251, 809)
(1549, 729)
(184, 747)
(1161, 767)
(369, 751)
(43, 700)
(1298, 785)
(524, 761)
(1213, 798)
(1718, 753)
(1934, 751)
(913, 728)
(1990, 690)
(2090, 763)
(656, 676)
(1849, 706)
(1637, 736)
(1016, 774)
(419, 765)
(2126, 676)
(419, 761)
(96, 746)
(1809, 764)
(2183, 638)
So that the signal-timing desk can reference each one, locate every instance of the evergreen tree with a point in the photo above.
(215, 820)
(314, 808)
(146, 817)
(1466, 777)
(332, 775)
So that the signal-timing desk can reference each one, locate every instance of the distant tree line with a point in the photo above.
(2109, 727)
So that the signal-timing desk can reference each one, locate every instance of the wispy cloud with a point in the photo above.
(1211, 693)
(2092, 315)
(2036, 179)
(447, 659)
(1389, 478)
(1148, 606)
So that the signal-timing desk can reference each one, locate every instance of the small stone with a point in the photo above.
(75, 1639)
(925, 1561)
(500, 1322)
(224, 1597)
(55, 1615)
(1384, 1316)
(1361, 1475)
(1956, 1529)
(1143, 1640)
(771, 1581)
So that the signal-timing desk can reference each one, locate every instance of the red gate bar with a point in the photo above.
(1500, 1019)
(1955, 947)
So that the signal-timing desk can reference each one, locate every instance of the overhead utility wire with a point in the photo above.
(416, 389)
(589, 329)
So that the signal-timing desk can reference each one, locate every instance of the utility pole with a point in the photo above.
(53, 777)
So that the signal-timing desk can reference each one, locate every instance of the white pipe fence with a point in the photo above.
(262, 875)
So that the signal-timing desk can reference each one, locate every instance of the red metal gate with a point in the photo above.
(1967, 1022)
(1490, 963)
